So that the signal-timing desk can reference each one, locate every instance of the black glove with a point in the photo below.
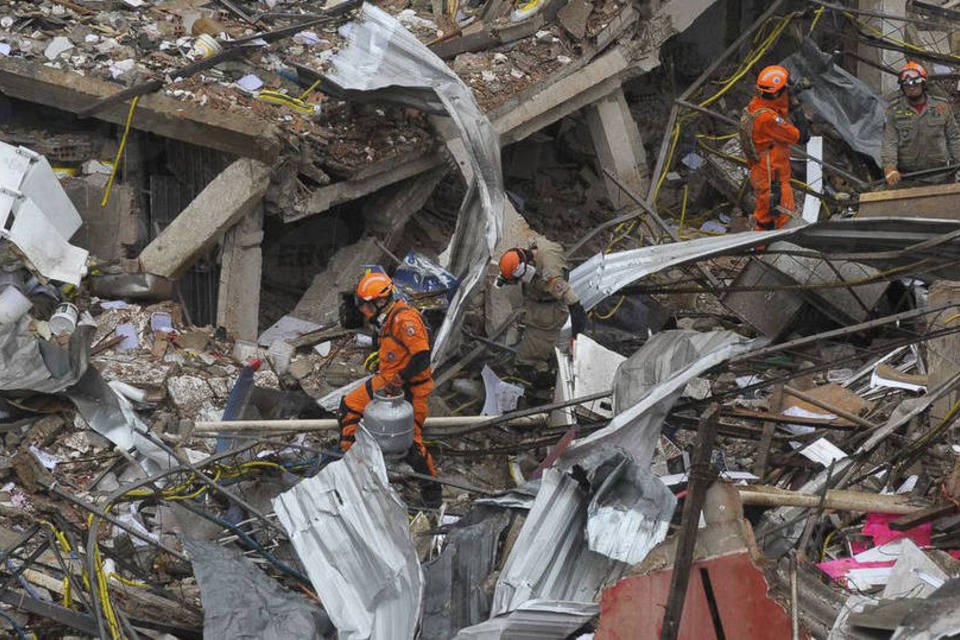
(578, 319)
(799, 119)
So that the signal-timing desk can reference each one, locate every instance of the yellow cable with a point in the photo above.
(305, 94)
(683, 207)
(616, 308)
(116, 160)
(816, 18)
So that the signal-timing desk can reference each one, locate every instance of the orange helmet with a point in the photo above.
(772, 79)
(510, 263)
(912, 70)
(374, 285)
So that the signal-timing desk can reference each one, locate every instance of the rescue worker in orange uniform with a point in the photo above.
(766, 134)
(404, 350)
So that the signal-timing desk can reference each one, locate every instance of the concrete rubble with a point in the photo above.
(754, 437)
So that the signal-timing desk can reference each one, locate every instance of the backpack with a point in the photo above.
(747, 120)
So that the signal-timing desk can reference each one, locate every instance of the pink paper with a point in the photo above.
(878, 528)
(839, 568)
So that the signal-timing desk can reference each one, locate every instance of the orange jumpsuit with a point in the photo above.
(772, 136)
(402, 337)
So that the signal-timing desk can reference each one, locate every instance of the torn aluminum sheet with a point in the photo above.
(839, 98)
(37, 217)
(241, 601)
(630, 513)
(29, 363)
(606, 273)
(551, 558)
(349, 529)
(534, 619)
(454, 596)
(382, 56)
(936, 617)
(648, 384)
(111, 415)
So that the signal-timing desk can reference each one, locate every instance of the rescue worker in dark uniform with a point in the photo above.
(404, 351)
(540, 268)
(919, 132)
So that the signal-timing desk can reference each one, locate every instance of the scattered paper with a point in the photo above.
(823, 452)
(250, 83)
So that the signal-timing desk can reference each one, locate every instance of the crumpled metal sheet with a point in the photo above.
(28, 363)
(349, 529)
(551, 558)
(241, 602)
(381, 55)
(454, 596)
(37, 216)
(934, 618)
(112, 416)
(648, 384)
(630, 512)
(606, 273)
(534, 620)
(839, 98)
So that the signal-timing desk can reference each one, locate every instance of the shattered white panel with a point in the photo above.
(24, 224)
(501, 396)
(349, 529)
(606, 273)
(594, 367)
(381, 55)
(29, 173)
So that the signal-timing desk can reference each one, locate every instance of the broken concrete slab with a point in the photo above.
(228, 198)
(321, 301)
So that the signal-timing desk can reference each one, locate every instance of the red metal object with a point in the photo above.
(632, 609)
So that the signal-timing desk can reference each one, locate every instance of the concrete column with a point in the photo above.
(618, 145)
(881, 82)
(238, 297)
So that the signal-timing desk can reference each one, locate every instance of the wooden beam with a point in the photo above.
(233, 133)
(227, 199)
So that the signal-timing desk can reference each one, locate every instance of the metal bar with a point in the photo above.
(83, 623)
(701, 477)
(826, 335)
(872, 14)
(712, 282)
(100, 513)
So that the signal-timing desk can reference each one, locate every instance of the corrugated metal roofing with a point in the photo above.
(350, 531)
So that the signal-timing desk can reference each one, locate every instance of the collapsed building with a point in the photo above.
(754, 437)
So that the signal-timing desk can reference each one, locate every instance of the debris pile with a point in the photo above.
(741, 434)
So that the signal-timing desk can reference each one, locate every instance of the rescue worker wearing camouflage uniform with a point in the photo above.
(404, 367)
(766, 133)
(548, 299)
(919, 131)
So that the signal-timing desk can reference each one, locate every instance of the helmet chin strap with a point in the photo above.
(381, 315)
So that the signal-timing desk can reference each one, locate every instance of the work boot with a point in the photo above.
(431, 493)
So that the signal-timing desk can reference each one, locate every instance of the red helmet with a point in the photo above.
(510, 263)
(374, 285)
(912, 70)
(772, 79)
